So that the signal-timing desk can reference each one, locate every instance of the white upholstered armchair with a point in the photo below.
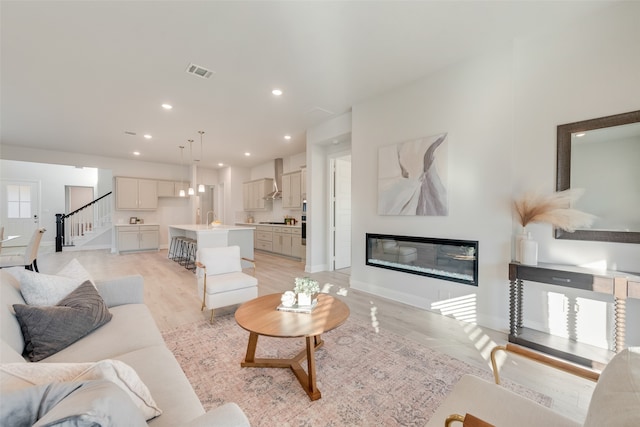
(221, 281)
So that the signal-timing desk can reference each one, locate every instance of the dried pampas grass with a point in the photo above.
(554, 209)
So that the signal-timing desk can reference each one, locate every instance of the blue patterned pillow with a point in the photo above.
(49, 329)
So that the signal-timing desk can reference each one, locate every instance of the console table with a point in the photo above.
(619, 284)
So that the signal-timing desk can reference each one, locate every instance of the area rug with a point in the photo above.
(366, 377)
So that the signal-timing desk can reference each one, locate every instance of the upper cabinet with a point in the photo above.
(171, 188)
(254, 193)
(136, 193)
(292, 190)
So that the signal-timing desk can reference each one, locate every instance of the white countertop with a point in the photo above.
(268, 225)
(135, 225)
(210, 228)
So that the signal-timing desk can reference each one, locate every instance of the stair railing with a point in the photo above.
(76, 224)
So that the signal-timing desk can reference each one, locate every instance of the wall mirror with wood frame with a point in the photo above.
(602, 156)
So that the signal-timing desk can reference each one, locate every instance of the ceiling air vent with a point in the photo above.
(199, 71)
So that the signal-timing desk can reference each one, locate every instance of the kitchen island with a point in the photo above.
(208, 236)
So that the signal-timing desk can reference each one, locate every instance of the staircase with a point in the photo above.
(86, 228)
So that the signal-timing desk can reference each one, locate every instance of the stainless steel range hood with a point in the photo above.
(277, 182)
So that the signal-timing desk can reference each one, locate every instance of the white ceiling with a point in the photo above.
(77, 74)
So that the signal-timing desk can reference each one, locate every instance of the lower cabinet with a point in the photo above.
(138, 238)
(296, 243)
(263, 238)
(279, 240)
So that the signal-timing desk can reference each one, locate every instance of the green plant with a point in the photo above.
(306, 285)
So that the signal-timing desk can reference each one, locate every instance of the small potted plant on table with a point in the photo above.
(305, 290)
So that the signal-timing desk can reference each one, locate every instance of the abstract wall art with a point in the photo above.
(412, 177)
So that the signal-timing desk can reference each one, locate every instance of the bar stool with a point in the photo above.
(187, 252)
(192, 248)
(173, 247)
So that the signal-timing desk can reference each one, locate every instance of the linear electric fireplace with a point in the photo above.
(446, 259)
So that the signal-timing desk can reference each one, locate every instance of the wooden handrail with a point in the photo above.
(86, 206)
(554, 362)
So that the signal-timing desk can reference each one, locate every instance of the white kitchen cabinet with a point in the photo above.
(137, 238)
(264, 238)
(254, 193)
(282, 240)
(166, 189)
(296, 243)
(171, 188)
(136, 193)
(285, 240)
(291, 190)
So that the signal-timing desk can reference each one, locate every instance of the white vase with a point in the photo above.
(528, 251)
(518, 239)
(304, 299)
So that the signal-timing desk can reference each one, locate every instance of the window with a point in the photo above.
(18, 201)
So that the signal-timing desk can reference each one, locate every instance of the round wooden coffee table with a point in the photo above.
(261, 317)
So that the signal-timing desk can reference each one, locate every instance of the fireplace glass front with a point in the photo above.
(454, 260)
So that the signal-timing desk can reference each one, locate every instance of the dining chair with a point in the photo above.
(29, 258)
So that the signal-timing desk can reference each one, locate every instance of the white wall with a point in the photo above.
(473, 103)
(501, 111)
(589, 70)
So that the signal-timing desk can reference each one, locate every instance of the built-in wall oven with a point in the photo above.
(303, 222)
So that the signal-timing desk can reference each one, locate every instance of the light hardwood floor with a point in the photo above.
(171, 296)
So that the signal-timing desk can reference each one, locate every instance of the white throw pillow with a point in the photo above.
(44, 289)
(75, 270)
(15, 376)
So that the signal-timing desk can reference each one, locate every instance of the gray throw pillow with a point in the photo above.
(87, 403)
(47, 330)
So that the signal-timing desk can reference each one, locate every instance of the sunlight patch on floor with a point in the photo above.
(460, 308)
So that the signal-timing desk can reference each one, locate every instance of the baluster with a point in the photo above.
(620, 324)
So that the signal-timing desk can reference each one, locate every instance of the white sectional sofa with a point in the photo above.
(132, 337)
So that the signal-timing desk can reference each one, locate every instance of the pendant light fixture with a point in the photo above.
(181, 168)
(190, 191)
(201, 186)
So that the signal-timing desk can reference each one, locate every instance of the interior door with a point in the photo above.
(20, 210)
(342, 213)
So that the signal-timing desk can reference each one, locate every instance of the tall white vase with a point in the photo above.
(528, 251)
(517, 244)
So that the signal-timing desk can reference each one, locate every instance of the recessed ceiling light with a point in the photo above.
(276, 92)
(147, 136)
(167, 106)
(287, 137)
(220, 164)
(136, 153)
(247, 154)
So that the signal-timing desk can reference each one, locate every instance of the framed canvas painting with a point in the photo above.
(412, 177)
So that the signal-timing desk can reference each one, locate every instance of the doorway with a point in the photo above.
(20, 210)
(341, 211)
